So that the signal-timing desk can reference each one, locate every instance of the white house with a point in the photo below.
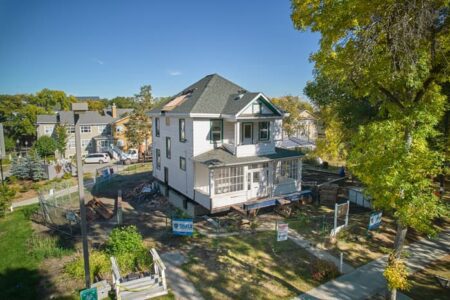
(214, 143)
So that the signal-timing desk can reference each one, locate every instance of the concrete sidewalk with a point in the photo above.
(368, 279)
(176, 278)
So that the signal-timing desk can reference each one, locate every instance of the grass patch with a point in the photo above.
(42, 247)
(252, 266)
(19, 275)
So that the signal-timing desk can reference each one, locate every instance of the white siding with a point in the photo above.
(180, 180)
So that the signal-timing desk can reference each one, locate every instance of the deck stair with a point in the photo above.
(147, 287)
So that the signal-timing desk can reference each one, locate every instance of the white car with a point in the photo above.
(97, 158)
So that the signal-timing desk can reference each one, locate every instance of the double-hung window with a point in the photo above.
(85, 128)
(158, 159)
(182, 163)
(48, 130)
(182, 130)
(264, 131)
(70, 129)
(168, 147)
(157, 127)
(216, 130)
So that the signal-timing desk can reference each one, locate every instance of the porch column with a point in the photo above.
(211, 182)
(236, 133)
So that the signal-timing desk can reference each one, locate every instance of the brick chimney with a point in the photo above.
(114, 111)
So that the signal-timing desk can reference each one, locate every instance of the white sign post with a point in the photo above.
(282, 231)
(339, 211)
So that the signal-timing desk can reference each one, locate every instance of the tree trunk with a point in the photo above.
(401, 229)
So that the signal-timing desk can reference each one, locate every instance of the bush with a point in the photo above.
(67, 176)
(43, 247)
(125, 243)
(322, 270)
(99, 265)
(11, 179)
(6, 195)
(29, 211)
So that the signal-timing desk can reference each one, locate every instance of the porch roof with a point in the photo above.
(220, 157)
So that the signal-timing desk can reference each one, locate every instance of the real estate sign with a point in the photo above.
(282, 231)
(375, 220)
(183, 226)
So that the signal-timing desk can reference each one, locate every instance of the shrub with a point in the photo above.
(124, 240)
(28, 211)
(322, 270)
(12, 179)
(125, 243)
(99, 265)
(6, 195)
(43, 247)
(67, 176)
(45, 146)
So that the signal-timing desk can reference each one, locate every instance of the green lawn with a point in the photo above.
(252, 266)
(19, 275)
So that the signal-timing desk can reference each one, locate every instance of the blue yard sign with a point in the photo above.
(183, 226)
(375, 220)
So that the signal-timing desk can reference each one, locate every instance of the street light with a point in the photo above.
(79, 108)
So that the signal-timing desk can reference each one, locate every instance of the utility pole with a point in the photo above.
(2, 152)
(79, 108)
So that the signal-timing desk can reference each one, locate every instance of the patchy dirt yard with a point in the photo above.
(424, 284)
(252, 266)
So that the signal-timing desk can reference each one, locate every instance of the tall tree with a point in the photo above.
(53, 100)
(45, 146)
(61, 137)
(139, 125)
(395, 54)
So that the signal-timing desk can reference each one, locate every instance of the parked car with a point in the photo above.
(132, 156)
(97, 158)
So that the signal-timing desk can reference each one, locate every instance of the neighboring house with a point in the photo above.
(118, 126)
(95, 129)
(306, 134)
(215, 144)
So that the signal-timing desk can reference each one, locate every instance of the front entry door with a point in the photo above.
(257, 183)
(247, 133)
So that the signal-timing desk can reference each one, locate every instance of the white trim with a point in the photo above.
(255, 98)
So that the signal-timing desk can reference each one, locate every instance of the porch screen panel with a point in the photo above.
(286, 169)
(229, 179)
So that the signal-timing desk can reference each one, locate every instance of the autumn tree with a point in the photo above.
(294, 106)
(139, 125)
(393, 54)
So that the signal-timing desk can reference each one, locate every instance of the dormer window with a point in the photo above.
(256, 107)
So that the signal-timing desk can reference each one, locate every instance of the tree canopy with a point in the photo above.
(293, 105)
(390, 58)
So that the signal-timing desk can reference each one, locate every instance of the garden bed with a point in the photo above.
(252, 266)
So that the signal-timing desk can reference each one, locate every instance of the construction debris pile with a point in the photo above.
(96, 209)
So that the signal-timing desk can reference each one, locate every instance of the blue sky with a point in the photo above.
(111, 48)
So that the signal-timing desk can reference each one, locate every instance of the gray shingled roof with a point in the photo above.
(120, 112)
(212, 94)
(220, 157)
(66, 117)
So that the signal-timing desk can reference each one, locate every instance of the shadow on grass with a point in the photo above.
(24, 284)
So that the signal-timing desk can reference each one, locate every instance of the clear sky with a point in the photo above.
(111, 48)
